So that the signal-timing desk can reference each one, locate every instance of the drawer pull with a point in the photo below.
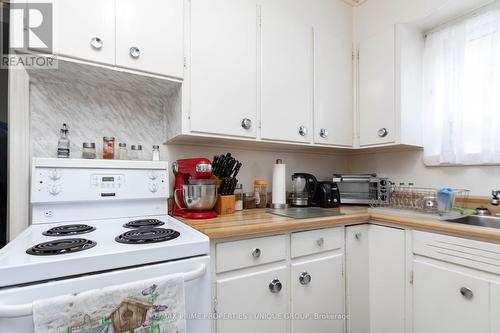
(467, 293)
(96, 43)
(304, 278)
(256, 253)
(320, 242)
(135, 52)
(358, 235)
(275, 286)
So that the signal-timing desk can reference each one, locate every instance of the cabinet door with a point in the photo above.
(287, 71)
(323, 294)
(387, 279)
(447, 300)
(85, 29)
(357, 278)
(495, 307)
(246, 303)
(223, 67)
(377, 89)
(332, 90)
(149, 36)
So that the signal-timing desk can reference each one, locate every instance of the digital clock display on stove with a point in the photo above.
(108, 179)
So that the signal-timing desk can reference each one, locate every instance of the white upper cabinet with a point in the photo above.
(85, 29)
(377, 120)
(390, 109)
(333, 113)
(149, 36)
(287, 73)
(223, 67)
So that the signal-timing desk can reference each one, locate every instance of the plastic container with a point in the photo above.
(445, 199)
(260, 189)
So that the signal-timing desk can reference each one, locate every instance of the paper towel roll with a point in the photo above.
(279, 183)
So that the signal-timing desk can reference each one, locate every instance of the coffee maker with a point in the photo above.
(195, 193)
(303, 188)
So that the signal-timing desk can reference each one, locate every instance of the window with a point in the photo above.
(462, 91)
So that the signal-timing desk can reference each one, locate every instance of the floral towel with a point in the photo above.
(149, 306)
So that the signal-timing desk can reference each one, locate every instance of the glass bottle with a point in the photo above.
(88, 150)
(63, 143)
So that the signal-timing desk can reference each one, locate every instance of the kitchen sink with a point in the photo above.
(482, 221)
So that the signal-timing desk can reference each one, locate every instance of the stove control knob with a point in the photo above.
(152, 175)
(54, 174)
(55, 189)
(153, 188)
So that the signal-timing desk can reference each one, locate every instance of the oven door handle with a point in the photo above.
(23, 310)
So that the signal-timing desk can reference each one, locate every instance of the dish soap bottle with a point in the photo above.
(63, 143)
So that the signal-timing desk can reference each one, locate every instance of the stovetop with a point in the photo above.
(101, 248)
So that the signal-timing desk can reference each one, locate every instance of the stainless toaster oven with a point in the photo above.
(362, 189)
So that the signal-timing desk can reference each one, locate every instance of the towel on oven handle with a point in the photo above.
(153, 306)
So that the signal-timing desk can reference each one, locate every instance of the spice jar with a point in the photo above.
(88, 150)
(249, 200)
(139, 152)
(260, 189)
(108, 148)
(238, 192)
(156, 153)
(122, 151)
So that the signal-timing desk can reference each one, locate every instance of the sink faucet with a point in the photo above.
(495, 201)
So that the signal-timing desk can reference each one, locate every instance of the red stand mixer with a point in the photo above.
(195, 193)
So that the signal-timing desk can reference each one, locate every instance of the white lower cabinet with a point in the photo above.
(447, 300)
(375, 266)
(253, 302)
(495, 307)
(318, 295)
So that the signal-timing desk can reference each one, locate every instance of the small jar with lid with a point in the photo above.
(238, 193)
(260, 189)
(88, 150)
(108, 148)
(139, 152)
(249, 201)
(156, 153)
(122, 151)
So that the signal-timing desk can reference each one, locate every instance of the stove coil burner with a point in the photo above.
(147, 235)
(61, 246)
(70, 229)
(144, 223)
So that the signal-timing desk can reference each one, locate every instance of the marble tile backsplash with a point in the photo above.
(92, 113)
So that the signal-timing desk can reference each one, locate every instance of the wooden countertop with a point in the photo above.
(258, 221)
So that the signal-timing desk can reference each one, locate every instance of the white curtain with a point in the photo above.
(462, 92)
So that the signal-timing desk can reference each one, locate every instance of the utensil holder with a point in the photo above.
(225, 204)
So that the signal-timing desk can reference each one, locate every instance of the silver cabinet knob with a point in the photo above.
(323, 133)
(467, 293)
(303, 131)
(96, 43)
(304, 278)
(256, 253)
(275, 286)
(383, 132)
(320, 241)
(135, 52)
(246, 123)
(358, 235)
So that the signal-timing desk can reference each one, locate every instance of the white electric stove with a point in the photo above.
(97, 223)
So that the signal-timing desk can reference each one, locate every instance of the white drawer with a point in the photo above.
(316, 241)
(462, 251)
(249, 252)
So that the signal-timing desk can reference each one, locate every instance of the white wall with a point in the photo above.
(408, 166)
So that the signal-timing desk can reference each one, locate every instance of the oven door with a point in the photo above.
(358, 192)
(16, 302)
